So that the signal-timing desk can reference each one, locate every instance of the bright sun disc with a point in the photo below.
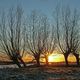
(53, 58)
(50, 58)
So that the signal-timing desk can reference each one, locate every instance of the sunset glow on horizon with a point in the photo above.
(55, 57)
(60, 58)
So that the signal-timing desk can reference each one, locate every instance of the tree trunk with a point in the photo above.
(46, 58)
(15, 60)
(66, 61)
(37, 58)
(20, 59)
(38, 62)
(77, 58)
(22, 62)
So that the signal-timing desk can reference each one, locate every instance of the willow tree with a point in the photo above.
(68, 32)
(35, 38)
(49, 38)
(75, 35)
(11, 37)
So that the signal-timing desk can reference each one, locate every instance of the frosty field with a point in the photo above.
(40, 73)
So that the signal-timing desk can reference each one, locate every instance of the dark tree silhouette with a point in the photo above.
(49, 38)
(68, 32)
(35, 36)
(11, 38)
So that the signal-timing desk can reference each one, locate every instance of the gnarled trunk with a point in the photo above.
(46, 58)
(22, 62)
(15, 61)
(37, 58)
(38, 62)
(77, 58)
(66, 58)
(20, 59)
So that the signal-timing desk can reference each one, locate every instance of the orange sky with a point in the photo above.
(52, 58)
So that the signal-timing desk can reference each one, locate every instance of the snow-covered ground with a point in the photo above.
(40, 73)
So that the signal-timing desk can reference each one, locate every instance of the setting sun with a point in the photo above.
(55, 58)
(60, 58)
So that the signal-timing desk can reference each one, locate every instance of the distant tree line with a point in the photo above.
(38, 35)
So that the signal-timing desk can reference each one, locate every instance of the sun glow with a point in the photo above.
(60, 58)
(55, 58)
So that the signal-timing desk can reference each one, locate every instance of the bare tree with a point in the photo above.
(40, 39)
(49, 38)
(75, 36)
(35, 36)
(67, 32)
(11, 38)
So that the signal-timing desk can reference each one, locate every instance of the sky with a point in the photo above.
(45, 6)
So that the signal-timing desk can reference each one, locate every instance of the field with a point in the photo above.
(41, 73)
